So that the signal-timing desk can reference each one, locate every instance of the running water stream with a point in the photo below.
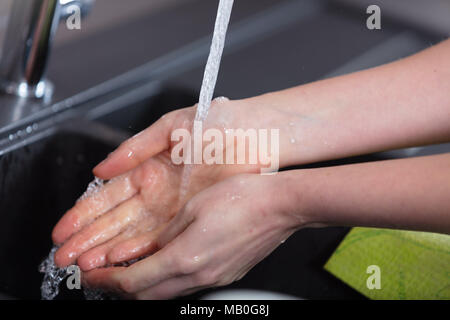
(209, 79)
(214, 59)
(53, 275)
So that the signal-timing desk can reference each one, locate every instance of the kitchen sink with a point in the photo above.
(138, 115)
(39, 182)
(44, 174)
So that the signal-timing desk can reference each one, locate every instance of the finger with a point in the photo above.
(168, 289)
(106, 279)
(166, 263)
(162, 265)
(136, 150)
(136, 247)
(101, 230)
(139, 276)
(132, 279)
(100, 256)
(97, 257)
(89, 208)
(176, 226)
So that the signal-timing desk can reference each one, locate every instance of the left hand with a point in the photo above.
(219, 235)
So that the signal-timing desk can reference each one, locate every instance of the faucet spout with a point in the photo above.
(26, 48)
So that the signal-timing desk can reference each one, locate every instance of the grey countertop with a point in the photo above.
(96, 56)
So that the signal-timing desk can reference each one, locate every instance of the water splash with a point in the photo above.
(95, 294)
(92, 188)
(53, 276)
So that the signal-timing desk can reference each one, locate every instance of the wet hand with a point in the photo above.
(218, 236)
(123, 218)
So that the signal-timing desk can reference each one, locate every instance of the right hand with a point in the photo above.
(122, 220)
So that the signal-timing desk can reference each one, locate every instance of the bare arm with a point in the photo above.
(402, 104)
(403, 194)
(228, 228)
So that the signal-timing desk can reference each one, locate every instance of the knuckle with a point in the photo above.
(188, 208)
(205, 278)
(187, 213)
(185, 266)
(224, 282)
(194, 204)
(127, 146)
(160, 242)
(125, 286)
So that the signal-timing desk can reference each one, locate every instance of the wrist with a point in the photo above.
(303, 137)
(283, 122)
(298, 199)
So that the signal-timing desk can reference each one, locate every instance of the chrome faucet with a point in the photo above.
(26, 48)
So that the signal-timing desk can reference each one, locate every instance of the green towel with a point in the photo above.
(408, 265)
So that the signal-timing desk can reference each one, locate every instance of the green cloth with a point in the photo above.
(413, 265)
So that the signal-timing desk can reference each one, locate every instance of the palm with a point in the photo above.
(123, 219)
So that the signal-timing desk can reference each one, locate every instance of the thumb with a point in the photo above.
(179, 223)
(135, 150)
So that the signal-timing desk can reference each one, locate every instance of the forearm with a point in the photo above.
(403, 194)
(402, 104)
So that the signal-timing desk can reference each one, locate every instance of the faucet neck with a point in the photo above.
(26, 48)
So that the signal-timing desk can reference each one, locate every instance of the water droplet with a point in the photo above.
(221, 99)
(235, 197)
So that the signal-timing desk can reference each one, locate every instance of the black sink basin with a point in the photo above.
(139, 113)
(39, 182)
(45, 173)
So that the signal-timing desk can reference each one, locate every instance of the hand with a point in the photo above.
(121, 221)
(214, 240)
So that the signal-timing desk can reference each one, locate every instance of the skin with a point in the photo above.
(226, 237)
(202, 238)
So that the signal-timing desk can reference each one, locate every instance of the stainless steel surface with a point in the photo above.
(26, 49)
(85, 7)
(107, 14)
(254, 26)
